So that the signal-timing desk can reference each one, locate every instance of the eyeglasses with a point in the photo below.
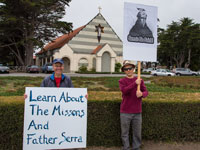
(126, 69)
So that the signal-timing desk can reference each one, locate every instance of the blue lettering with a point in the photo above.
(74, 99)
(38, 110)
(71, 139)
(41, 139)
(32, 106)
(62, 97)
(38, 126)
(30, 99)
(39, 98)
(29, 138)
(81, 99)
(56, 109)
(67, 98)
(31, 124)
(42, 98)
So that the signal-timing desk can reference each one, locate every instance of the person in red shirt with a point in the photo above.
(131, 106)
(57, 79)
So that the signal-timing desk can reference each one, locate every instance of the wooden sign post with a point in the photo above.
(139, 68)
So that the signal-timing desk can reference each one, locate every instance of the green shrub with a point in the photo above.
(11, 126)
(93, 70)
(118, 67)
(83, 69)
(171, 121)
(162, 121)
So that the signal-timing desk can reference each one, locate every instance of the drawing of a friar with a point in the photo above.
(140, 32)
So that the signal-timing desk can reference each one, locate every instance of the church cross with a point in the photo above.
(99, 9)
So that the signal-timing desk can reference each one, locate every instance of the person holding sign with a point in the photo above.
(48, 109)
(131, 106)
(57, 79)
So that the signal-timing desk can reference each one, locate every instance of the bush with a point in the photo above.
(83, 69)
(118, 67)
(162, 121)
(93, 70)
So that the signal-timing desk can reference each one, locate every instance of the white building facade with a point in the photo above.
(94, 45)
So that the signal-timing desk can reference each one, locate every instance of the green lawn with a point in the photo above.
(15, 86)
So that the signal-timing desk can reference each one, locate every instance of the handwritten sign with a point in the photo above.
(140, 32)
(55, 118)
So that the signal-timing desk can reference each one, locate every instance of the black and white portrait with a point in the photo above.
(140, 31)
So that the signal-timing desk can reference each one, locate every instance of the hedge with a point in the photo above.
(162, 121)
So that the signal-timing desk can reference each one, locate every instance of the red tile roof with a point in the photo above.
(98, 48)
(61, 41)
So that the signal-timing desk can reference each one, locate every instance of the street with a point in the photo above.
(69, 74)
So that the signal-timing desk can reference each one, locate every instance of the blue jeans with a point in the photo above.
(135, 122)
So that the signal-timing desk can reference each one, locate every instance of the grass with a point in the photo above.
(15, 86)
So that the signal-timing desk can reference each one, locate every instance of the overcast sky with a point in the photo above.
(80, 12)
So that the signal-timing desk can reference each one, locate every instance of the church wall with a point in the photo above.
(119, 59)
(85, 42)
(66, 51)
(77, 58)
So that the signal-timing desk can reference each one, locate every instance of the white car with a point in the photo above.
(198, 72)
(162, 72)
(4, 69)
(184, 72)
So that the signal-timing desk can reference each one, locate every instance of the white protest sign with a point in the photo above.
(140, 32)
(55, 118)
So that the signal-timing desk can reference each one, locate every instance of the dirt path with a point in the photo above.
(148, 145)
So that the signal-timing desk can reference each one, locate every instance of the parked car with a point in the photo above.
(4, 69)
(162, 72)
(148, 70)
(47, 68)
(184, 72)
(198, 72)
(33, 68)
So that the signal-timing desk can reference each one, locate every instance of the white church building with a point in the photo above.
(94, 45)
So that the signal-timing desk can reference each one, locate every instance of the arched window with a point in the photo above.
(83, 62)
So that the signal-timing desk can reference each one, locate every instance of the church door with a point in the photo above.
(66, 64)
(106, 62)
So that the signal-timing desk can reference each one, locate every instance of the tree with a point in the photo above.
(26, 25)
(179, 44)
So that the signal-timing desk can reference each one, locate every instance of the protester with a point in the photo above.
(57, 79)
(131, 106)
